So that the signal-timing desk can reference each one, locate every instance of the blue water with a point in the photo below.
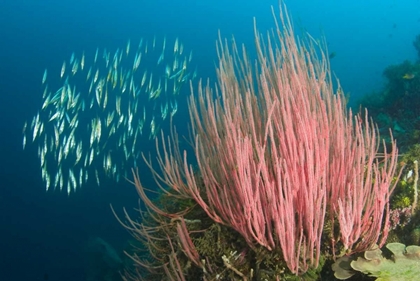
(43, 235)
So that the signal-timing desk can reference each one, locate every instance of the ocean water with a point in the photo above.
(43, 235)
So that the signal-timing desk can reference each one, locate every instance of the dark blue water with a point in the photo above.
(43, 234)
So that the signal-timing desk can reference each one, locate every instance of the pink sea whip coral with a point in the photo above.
(278, 153)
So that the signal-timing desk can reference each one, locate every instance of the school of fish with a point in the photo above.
(92, 122)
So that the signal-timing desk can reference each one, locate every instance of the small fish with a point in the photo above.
(181, 48)
(63, 69)
(81, 177)
(167, 71)
(408, 76)
(73, 179)
(24, 141)
(57, 179)
(24, 127)
(97, 177)
(61, 182)
(82, 61)
(96, 55)
(176, 74)
(137, 60)
(44, 77)
(176, 45)
(91, 156)
(45, 92)
(164, 110)
(150, 82)
(89, 73)
(143, 80)
(47, 181)
(36, 127)
(127, 49)
(75, 67)
(160, 58)
(190, 57)
(118, 104)
(155, 94)
(98, 129)
(174, 108)
(152, 128)
(96, 76)
(109, 118)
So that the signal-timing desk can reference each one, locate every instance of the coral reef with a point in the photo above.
(223, 254)
(199, 230)
(397, 106)
(403, 265)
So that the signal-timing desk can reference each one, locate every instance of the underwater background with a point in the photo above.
(46, 235)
